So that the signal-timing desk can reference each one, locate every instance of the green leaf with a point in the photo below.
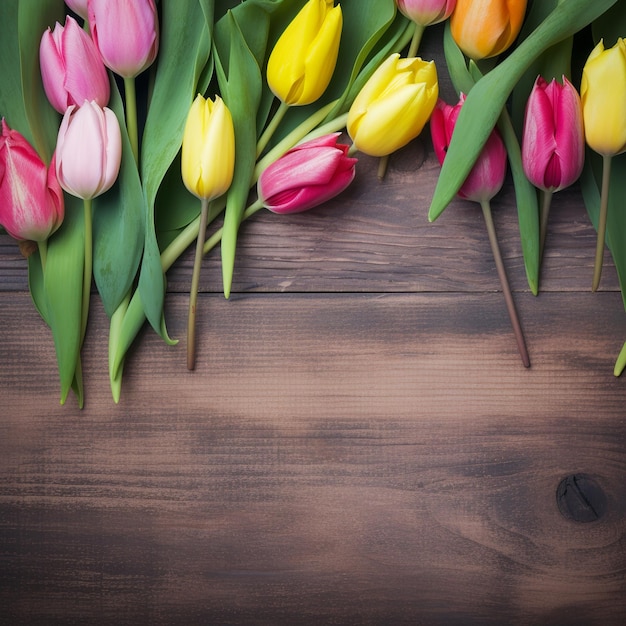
(487, 99)
(118, 224)
(185, 46)
(241, 91)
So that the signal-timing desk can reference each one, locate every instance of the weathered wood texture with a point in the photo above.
(359, 444)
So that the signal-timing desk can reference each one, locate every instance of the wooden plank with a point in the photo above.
(335, 458)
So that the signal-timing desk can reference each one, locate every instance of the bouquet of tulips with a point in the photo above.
(128, 126)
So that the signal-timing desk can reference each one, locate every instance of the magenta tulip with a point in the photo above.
(89, 150)
(71, 68)
(307, 176)
(78, 6)
(31, 200)
(553, 142)
(426, 12)
(487, 176)
(126, 33)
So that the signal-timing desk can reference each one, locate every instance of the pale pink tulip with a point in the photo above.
(553, 141)
(31, 200)
(487, 175)
(78, 6)
(71, 68)
(126, 32)
(89, 150)
(426, 12)
(307, 176)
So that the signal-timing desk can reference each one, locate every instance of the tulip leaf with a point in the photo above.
(118, 224)
(63, 284)
(184, 50)
(34, 17)
(482, 108)
(241, 91)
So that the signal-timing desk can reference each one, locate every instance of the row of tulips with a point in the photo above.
(302, 90)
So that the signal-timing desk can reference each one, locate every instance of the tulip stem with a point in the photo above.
(383, 162)
(508, 296)
(193, 293)
(416, 40)
(270, 129)
(87, 268)
(604, 206)
(546, 201)
(43, 252)
(130, 94)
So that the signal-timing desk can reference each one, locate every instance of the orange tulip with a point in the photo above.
(485, 28)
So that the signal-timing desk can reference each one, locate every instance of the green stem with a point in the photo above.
(43, 252)
(271, 128)
(130, 94)
(87, 271)
(604, 206)
(383, 162)
(416, 40)
(544, 212)
(193, 293)
(504, 282)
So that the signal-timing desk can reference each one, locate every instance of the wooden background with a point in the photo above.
(359, 444)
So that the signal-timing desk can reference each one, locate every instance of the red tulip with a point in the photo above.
(307, 176)
(31, 200)
(126, 33)
(553, 142)
(71, 68)
(487, 176)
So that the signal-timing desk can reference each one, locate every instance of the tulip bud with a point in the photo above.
(78, 6)
(553, 142)
(304, 57)
(393, 106)
(125, 33)
(208, 151)
(71, 68)
(306, 176)
(89, 150)
(426, 12)
(31, 200)
(603, 94)
(486, 28)
(487, 175)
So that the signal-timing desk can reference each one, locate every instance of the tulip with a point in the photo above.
(486, 28)
(426, 12)
(71, 68)
(303, 60)
(126, 33)
(487, 176)
(306, 176)
(393, 106)
(89, 150)
(481, 185)
(78, 6)
(207, 167)
(603, 93)
(208, 150)
(31, 200)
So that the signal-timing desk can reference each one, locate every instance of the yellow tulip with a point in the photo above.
(208, 151)
(485, 28)
(393, 106)
(304, 58)
(603, 96)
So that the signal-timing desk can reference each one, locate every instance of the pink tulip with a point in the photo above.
(89, 150)
(31, 200)
(306, 176)
(426, 12)
(487, 176)
(71, 68)
(126, 32)
(78, 6)
(553, 142)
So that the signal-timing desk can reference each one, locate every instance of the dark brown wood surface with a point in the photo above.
(359, 444)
